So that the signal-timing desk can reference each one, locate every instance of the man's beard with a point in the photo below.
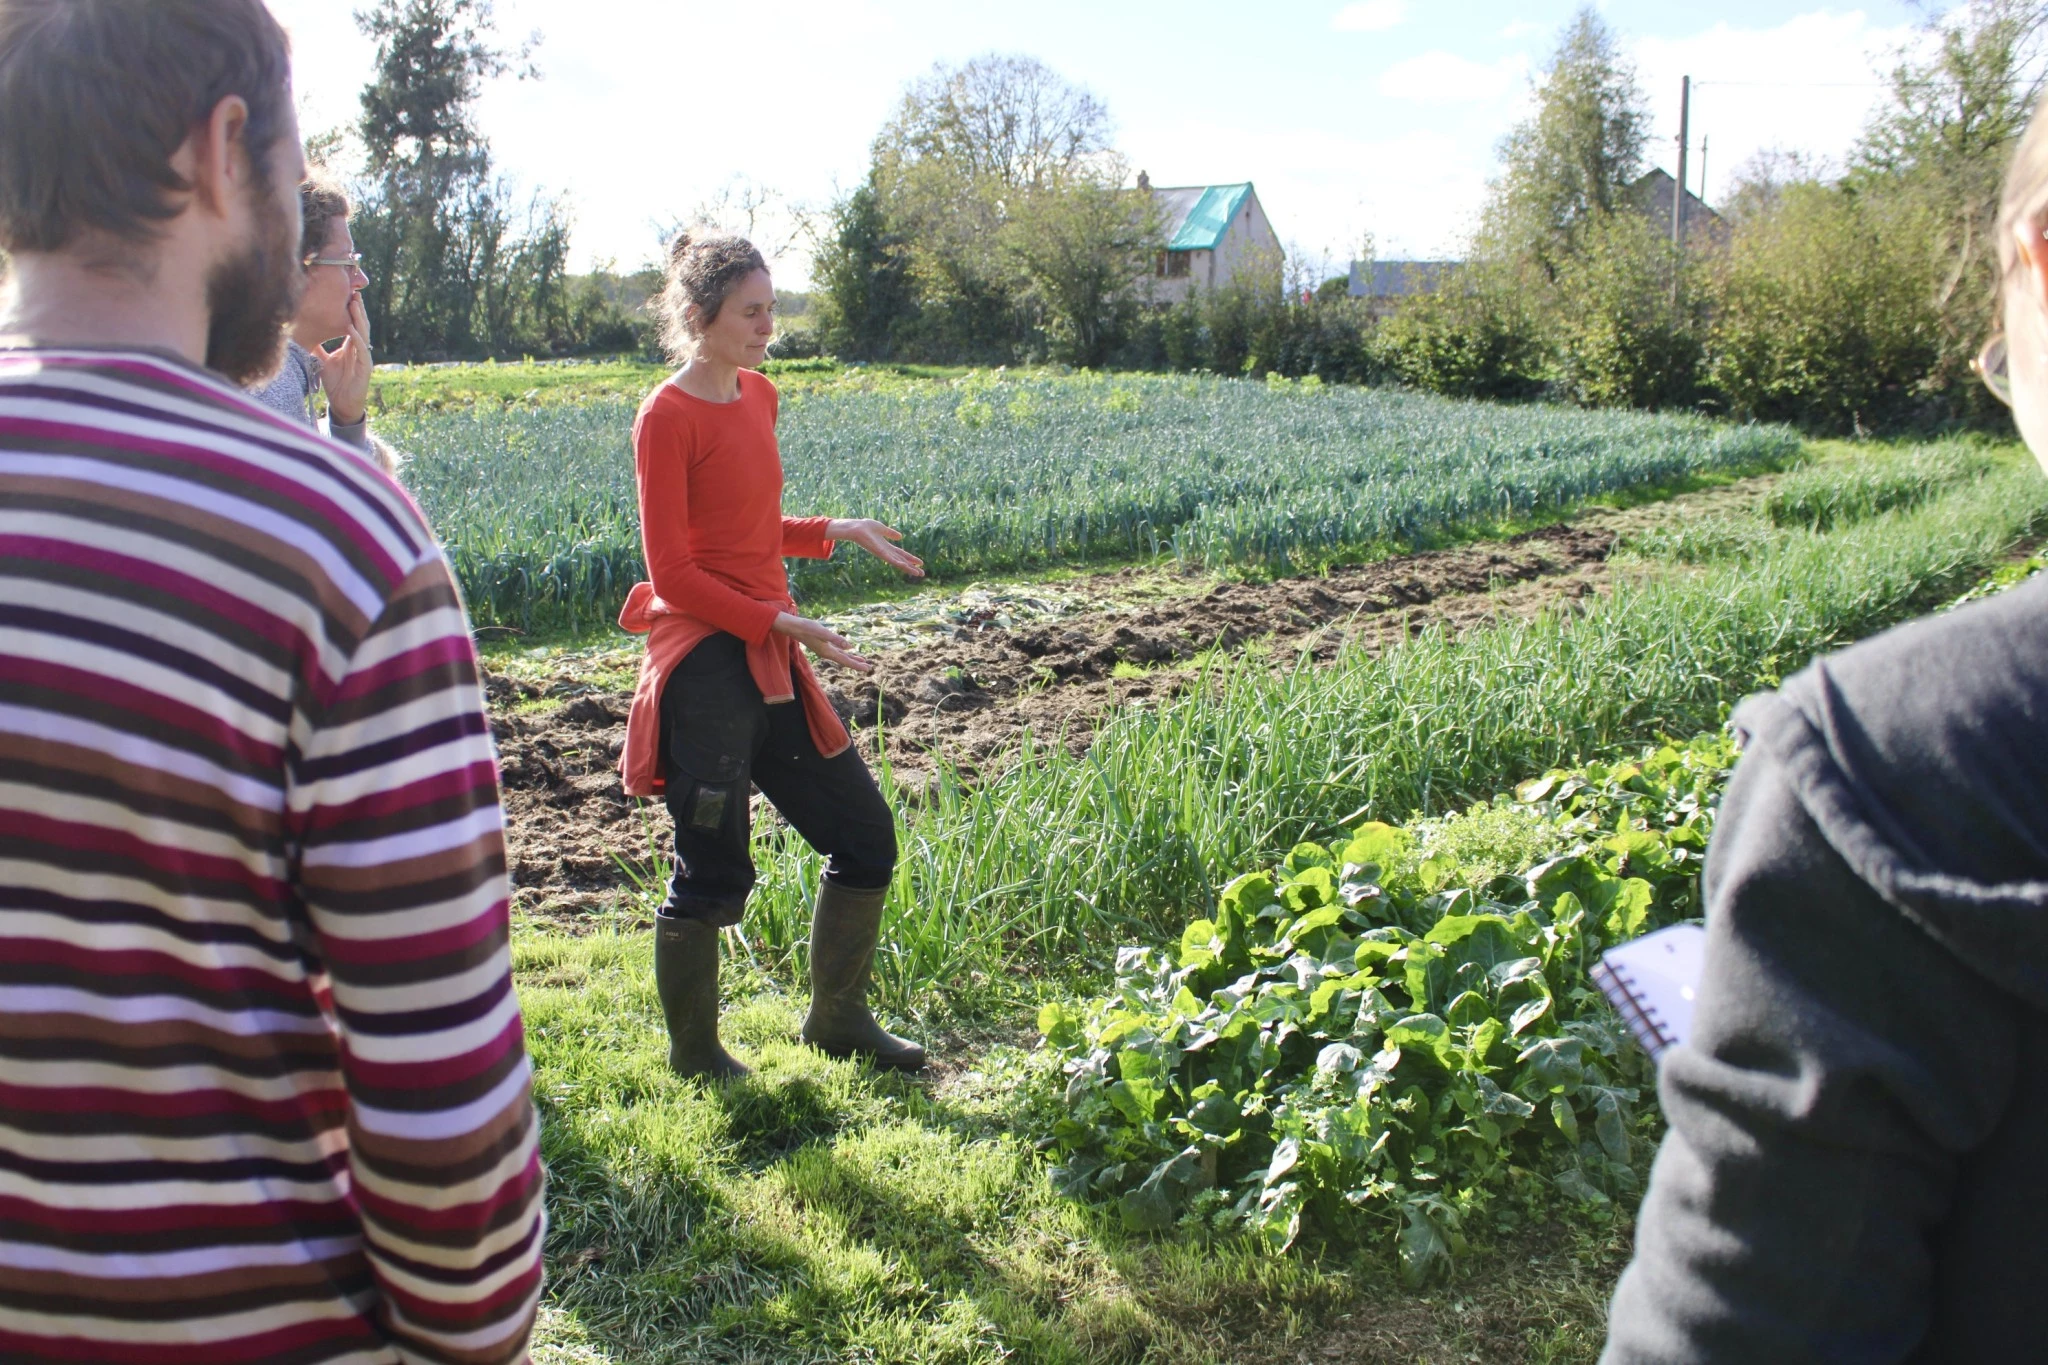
(253, 296)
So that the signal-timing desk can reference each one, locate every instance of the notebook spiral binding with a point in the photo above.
(1642, 1019)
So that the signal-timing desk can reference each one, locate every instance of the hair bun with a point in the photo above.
(704, 266)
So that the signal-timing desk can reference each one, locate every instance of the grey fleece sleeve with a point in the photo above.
(356, 434)
(1841, 1064)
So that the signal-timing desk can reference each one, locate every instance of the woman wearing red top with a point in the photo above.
(726, 699)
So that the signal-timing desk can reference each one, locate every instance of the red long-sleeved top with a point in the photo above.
(711, 525)
(711, 507)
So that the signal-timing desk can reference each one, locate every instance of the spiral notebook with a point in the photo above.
(1653, 981)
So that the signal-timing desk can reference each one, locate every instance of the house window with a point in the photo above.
(1173, 265)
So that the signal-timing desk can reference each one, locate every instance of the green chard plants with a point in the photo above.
(1379, 1036)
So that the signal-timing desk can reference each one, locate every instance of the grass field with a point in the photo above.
(992, 473)
(819, 1212)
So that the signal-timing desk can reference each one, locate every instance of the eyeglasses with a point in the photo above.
(352, 261)
(1991, 367)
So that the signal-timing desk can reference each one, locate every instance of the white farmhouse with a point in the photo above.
(1212, 233)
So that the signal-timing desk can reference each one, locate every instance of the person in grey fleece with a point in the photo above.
(1857, 1164)
(331, 307)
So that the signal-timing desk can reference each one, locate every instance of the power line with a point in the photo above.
(1850, 85)
(1800, 85)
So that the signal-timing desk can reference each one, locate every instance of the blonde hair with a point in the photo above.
(703, 270)
(2026, 188)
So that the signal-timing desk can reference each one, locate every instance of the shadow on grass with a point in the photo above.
(806, 1215)
(819, 1211)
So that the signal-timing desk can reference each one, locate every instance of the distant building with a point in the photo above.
(1651, 195)
(1212, 233)
(1386, 285)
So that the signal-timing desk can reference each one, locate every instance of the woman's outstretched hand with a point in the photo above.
(877, 540)
(822, 641)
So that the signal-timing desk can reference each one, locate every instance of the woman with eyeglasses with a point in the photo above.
(330, 309)
(1853, 1171)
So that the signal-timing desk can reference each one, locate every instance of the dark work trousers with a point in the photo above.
(719, 739)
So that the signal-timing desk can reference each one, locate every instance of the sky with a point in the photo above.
(1352, 118)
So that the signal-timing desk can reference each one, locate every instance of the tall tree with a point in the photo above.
(1081, 245)
(996, 183)
(862, 273)
(1570, 163)
(1936, 157)
(457, 267)
(1011, 120)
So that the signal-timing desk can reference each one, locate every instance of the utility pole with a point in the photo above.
(1678, 186)
(1703, 169)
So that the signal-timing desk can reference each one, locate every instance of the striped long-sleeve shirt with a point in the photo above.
(263, 1083)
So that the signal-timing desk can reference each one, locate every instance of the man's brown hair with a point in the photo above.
(321, 201)
(96, 96)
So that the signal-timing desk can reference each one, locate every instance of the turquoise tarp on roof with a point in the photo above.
(1206, 222)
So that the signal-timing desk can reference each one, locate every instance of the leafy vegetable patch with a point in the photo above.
(1372, 1040)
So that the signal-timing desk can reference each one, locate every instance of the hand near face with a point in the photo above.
(345, 371)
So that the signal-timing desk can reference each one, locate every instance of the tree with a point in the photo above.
(865, 295)
(457, 266)
(1824, 314)
(1938, 155)
(1082, 243)
(746, 208)
(995, 209)
(1010, 120)
(1566, 289)
(1615, 335)
(1568, 165)
(1476, 335)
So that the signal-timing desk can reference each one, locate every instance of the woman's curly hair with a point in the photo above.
(321, 201)
(703, 269)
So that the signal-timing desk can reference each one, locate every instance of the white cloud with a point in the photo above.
(1446, 78)
(1405, 152)
(1808, 85)
(603, 125)
(1370, 16)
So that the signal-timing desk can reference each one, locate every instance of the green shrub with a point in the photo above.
(1624, 327)
(1364, 1042)
(1474, 337)
(1824, 314)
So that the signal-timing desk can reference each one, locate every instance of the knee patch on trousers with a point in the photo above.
(710, 805)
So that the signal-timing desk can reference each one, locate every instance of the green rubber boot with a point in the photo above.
(844, 928)
(686, 978)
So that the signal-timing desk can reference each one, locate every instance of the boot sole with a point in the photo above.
(877, 1060)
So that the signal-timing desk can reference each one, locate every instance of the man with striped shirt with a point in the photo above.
(263, 1083)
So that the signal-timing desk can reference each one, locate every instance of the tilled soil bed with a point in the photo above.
(969, 692)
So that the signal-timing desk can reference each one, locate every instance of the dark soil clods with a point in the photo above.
(969, 696)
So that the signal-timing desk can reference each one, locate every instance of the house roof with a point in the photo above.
(1651, 193)
(1397, 279)
(1197, 216)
